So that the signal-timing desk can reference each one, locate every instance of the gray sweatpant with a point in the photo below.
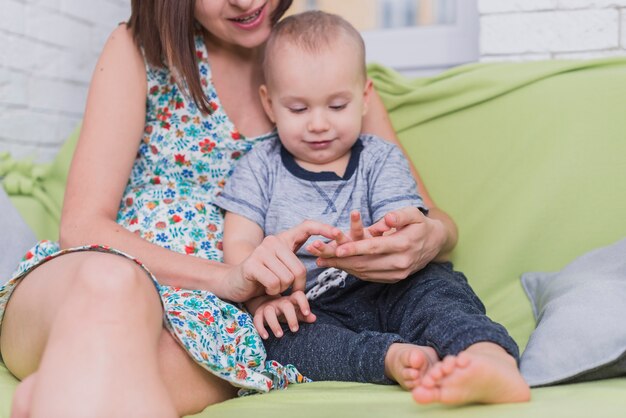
(357, 323)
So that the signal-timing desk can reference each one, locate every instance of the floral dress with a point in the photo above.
(183, 161)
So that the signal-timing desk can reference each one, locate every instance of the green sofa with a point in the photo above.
(528, 158)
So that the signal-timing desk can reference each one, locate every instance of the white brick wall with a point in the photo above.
(48, 49)
(519, 30)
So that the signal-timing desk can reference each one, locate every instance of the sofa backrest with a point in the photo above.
(529, 160)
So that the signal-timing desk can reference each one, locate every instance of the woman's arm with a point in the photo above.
(418, 239)
(112, 129)
(377, 122)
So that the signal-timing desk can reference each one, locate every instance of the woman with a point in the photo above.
(88, 324)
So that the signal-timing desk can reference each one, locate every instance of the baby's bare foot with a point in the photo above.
(408, 363)
(484, 373)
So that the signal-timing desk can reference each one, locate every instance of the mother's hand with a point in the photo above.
(272, 267)
(389, 256)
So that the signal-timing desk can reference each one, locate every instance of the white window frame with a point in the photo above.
(427, 49)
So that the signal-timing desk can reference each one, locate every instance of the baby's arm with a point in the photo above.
(241, 237)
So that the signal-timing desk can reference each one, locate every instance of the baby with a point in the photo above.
(428, 332)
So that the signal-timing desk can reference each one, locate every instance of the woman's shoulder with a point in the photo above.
(121, 46)
(123, 32)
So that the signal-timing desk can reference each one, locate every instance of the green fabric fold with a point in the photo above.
(37, 189)
(412, 102)
(26, 178)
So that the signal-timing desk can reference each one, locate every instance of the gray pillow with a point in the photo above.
(581, 320)
(15, 239)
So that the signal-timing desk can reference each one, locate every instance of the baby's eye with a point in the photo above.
(297, 109)
(338, 107)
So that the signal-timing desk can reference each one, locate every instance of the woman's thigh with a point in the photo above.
(35, 303)
(37, 300)
(191, 387)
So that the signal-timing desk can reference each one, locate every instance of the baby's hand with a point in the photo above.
(357, 233)
(289, 309)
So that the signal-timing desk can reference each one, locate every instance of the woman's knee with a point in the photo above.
(113, 281)
(107, 274)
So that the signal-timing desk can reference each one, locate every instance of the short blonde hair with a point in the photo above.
(313, 31)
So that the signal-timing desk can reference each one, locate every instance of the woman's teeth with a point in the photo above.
(248, 18)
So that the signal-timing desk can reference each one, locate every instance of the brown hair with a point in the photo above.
(312, 31)
(165, 30)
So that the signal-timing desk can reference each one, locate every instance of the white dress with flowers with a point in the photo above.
(183, 160)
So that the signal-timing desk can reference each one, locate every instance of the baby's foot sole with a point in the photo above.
(473, 376)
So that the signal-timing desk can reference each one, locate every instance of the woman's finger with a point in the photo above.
(395, 266)
(403, 217)
(375, 245)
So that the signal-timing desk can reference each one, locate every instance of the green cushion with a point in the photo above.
(37, 190)
(528, 160)
(353, 400)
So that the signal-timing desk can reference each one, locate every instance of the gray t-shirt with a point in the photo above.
(271, 189)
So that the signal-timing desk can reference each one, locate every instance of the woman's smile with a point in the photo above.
(250, 20)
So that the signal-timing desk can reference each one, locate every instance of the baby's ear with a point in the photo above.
(367, 93)
(267, 102)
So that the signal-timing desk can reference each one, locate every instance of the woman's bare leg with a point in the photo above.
(89, 324)
(191, 387)
(23, 397)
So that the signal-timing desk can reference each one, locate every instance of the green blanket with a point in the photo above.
(528, 158)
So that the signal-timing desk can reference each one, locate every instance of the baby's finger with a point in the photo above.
(289, 312)
(272, 321)
(313, 250)
(327, 249)
(259, 324)
(356, 226)
(302, 302)
(340, 237)
(379, 228)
